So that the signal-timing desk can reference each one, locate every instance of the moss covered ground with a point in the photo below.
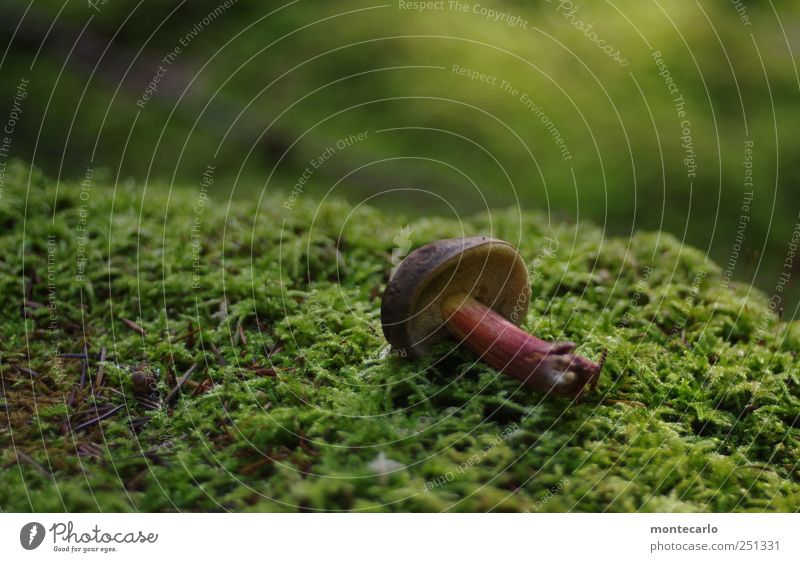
(292, 401)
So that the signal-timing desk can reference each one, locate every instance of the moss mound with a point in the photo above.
(292, 401)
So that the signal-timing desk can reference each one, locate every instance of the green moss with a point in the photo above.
(302, 408)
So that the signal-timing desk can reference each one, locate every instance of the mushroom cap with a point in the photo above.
(489, 270)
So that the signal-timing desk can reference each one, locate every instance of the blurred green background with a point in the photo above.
(262, 90)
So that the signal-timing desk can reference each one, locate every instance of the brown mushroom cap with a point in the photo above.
(489, 270)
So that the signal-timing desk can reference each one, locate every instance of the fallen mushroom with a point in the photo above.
(476, 290)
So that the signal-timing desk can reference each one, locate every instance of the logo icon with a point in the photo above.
(31, 535)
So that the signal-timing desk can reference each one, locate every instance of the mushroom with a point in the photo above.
(476, 290)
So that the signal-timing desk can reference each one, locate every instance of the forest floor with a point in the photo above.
(161, 351)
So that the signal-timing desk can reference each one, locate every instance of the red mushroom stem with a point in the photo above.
(547, 367)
